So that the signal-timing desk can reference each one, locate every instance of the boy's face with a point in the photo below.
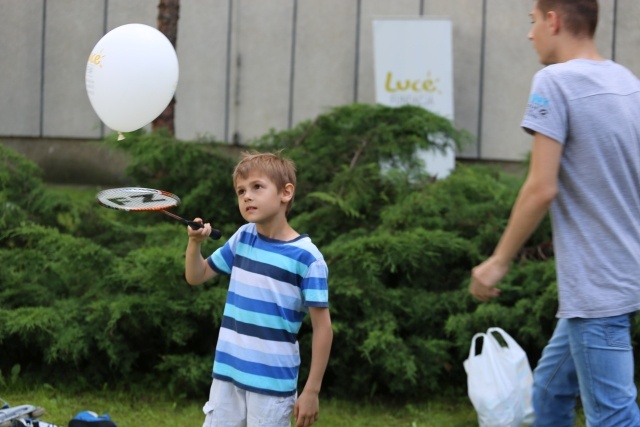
(259, 199)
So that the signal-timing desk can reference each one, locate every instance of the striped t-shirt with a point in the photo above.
(272, 284)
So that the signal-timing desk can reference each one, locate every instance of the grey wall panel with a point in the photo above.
(370, 10)
(202, 53)
(324, 59)
(261, 65)
(510, 63)
(20, 67)
(121, 12)
(628, 35)
(604, 32)
(324, 45)
(467, 53)
(72, 28)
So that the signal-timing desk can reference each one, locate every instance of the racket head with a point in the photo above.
(137, 199)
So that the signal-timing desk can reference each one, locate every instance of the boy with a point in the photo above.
(584, 115)
(277, 275)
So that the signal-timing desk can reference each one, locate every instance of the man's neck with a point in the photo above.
(578, 48)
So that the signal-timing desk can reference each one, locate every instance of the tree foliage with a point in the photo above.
(95, 296)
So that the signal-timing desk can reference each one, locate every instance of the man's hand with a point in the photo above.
(485, 277)
(306, 409)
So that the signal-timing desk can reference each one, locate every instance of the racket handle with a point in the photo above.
(215, 233)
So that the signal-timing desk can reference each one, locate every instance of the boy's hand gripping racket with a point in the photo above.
(135, 199)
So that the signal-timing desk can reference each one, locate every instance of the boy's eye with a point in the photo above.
(240, 192)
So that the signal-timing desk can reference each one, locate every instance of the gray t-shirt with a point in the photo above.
(592, 108)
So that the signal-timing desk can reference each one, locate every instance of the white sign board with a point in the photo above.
(413, 65)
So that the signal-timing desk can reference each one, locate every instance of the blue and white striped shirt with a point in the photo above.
(272, 284)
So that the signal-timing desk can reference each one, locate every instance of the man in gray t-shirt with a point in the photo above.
(584, 115)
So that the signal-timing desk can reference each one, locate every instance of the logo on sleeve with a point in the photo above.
(538, 107)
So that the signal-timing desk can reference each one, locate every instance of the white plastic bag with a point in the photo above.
(519, 361)
(499, 381)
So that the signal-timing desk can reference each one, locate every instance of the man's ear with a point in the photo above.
(554, 21)
(287, 193)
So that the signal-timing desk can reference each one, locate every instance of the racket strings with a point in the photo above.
(137, 199)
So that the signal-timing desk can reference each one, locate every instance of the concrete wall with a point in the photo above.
(248, 66)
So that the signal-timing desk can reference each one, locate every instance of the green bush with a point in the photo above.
(342, 183)
(100, 294)
(22, 193)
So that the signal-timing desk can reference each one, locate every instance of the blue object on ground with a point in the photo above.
(91, 419)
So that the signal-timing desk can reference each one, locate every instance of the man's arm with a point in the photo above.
(307, 407)
(532, 204)
(197, 270)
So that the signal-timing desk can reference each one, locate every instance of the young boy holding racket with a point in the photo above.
(277, 276)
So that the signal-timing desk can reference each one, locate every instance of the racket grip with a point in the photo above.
(215, 233)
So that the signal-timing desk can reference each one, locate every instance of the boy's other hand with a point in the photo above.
(307, 409)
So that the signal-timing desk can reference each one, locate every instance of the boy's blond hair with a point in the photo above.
(280, 170)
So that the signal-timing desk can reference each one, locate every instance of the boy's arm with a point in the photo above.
(307, 407)
(532, 204)
(197, 270)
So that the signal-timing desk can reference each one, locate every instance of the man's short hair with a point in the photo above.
(280, 170)
(580, 17)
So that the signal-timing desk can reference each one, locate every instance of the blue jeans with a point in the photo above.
(593, 359)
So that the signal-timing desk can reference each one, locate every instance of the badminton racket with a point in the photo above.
(136, 199)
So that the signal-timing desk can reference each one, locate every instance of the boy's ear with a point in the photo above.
(287, 193)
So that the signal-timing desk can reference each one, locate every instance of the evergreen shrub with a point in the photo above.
(97, 297)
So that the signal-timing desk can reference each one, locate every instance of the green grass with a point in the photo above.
(152, 410)
(137, 410)
(451, 413)
(126, 410)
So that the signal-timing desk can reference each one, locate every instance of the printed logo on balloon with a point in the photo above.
(131, 76)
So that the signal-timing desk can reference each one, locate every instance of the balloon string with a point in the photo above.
(120, 136)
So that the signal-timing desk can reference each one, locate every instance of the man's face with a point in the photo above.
(540, 35)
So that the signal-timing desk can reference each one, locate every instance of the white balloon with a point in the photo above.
(131, 76)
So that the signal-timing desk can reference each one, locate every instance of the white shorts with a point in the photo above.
(230, 406)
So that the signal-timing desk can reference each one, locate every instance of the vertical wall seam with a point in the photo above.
(357, 55)
(421, 7)
(227, 91)
(483, 39)
(105, 27)
(42, 68)
(615, 30)
(292, 69)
